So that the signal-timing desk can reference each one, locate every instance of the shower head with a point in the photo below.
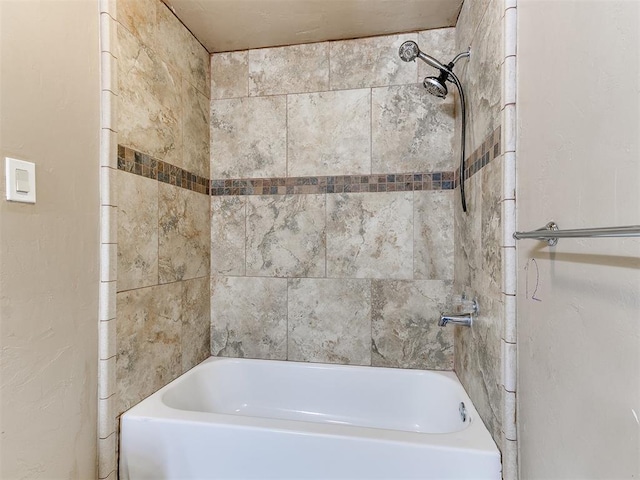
(436, 85)
(409, 51)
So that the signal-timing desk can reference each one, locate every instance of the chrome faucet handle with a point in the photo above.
(462, 305)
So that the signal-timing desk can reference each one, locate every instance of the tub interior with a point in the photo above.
(374, 397)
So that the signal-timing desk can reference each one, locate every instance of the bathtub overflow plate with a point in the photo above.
(463, 412)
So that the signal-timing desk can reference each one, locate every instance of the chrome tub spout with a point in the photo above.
(464, 320)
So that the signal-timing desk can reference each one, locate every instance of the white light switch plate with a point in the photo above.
(20, 181)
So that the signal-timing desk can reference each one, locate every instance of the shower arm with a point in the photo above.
(459, 56)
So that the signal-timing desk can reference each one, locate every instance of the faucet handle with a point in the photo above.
(463, 305)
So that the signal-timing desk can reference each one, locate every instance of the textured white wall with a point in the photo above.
(578, 164)
(50, 97)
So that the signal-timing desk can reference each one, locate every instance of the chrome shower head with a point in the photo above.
(409, 51)
(436, 86)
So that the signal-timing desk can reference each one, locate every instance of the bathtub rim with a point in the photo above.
(475, 437)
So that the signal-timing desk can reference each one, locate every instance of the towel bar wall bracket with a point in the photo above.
(550, 233)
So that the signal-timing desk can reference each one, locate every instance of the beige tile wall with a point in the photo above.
(332, 108)
(352, 278)
(164, 231)
(479, 252)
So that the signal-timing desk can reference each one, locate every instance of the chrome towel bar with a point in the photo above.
(550, 233)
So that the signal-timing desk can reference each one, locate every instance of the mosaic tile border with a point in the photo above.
(144, 165)
(138, 163)
(334, 184)
(489, 150)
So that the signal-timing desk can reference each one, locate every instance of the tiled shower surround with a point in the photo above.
(163, 205)
(332, 239)
(484, 248)
(301, 272)
(308, 209)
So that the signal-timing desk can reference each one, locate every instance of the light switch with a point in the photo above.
(20, 180)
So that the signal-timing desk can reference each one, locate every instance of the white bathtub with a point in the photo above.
(261, 419)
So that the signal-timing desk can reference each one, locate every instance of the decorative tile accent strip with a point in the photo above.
(334, 184)
(489, 150)
(138, 163)
(144, 165)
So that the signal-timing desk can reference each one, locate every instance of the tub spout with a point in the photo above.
(464, 320)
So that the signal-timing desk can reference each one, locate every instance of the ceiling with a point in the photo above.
(228, 25)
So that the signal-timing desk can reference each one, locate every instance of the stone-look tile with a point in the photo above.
(478, 269)
(184, 234)
(433, 239)
(481, 74)
(176, 45)
(195, 128)
(196, 322)
(329, 320)
(440, 43)
(329, 133)
(405, 331)
(471, 14)
(148, 340)
(249, 137)
(478, 362)
(491, 229)
(370, 62)
(228, 217)
(229, 75)
(370, 235)
(467, 227)
(291, 69)
(149, 106)
(137, 231)
(249, 317)
(286, 235)
(411, 131)
(139, 17)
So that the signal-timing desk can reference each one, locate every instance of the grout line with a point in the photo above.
(326, 235)
(371, 322)
(164, 284)
(248, 75)
(329, 60)
(371, 131)
(286, 136)
(413, 237)
(158, 235)
(287, 322)
(246, 220)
